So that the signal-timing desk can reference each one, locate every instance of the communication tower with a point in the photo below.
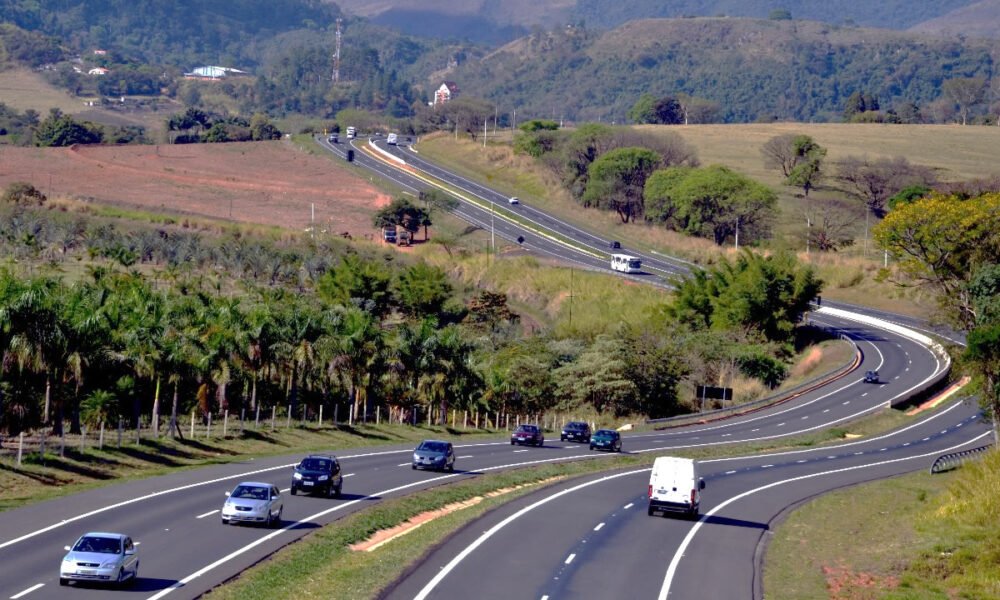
(336, 54)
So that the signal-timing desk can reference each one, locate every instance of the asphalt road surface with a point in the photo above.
(185, 550)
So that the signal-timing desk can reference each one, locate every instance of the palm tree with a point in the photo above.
(357, 349)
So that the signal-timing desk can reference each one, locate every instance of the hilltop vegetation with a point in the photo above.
(753, 69)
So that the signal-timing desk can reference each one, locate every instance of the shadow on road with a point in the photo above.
(717, 520)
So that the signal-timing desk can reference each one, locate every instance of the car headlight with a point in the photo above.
(416, 456)
(324, 477)
(67, 559)
(297, 475)
(110, 564)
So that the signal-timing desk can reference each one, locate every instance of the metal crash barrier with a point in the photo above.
(949, 461)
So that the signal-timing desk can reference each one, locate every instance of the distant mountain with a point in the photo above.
(490, 21)
(979, 19)
(754, 69)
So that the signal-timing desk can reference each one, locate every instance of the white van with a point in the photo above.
(351, 132)
(626, 263)
(674, 486)
(391, 139)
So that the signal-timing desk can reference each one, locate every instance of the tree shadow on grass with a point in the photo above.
(61, 464)
(350, 429)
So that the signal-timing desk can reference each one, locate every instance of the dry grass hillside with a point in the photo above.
(980, 19)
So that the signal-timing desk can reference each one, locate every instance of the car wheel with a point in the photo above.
(650, 511)
(121, 576)
(414, 467)
(63, 581)
(225, 521)
(451, 467)
(293, 491)
(274, 521)
(512, 442)
(340, 489)
(591, 446)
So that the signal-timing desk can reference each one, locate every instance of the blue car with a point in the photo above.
(606, 439)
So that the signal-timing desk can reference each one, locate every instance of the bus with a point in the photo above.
(626, 263)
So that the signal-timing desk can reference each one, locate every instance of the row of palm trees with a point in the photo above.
(115, 345)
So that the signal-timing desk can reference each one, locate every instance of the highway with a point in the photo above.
(185, 550)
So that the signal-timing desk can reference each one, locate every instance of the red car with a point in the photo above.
(527, 434)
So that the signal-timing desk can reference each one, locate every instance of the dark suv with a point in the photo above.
(318, 474)
(575, 431)
(527, 434)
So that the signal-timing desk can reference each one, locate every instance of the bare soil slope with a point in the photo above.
(271, 183)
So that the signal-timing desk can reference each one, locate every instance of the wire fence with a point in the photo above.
(38, 445)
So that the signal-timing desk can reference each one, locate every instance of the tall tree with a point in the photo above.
(616, 181)
(966, 92)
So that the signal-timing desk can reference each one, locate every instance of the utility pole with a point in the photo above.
(336, 54)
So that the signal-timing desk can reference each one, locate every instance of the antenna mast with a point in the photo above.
(336, 54)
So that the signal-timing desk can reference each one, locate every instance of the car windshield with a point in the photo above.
(250, 492)
(528, 429)
(604, 433)
(576, 425)
(102, 545)
(433, 446)
(315, 464)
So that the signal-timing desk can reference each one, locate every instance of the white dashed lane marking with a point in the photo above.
(570, 558)
(27, 591)
(599, 526)
(208, 514)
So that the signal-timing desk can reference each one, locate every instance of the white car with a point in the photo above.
(513, 200)
(102, 557)
(253, 502)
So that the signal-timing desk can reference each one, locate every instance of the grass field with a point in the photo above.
(955, 153)
(916, 537)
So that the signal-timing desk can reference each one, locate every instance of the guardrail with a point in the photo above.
(947, 462)
(771, 400)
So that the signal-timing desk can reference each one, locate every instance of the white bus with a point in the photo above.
(626, 263)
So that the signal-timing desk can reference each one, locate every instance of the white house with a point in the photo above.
(98, 71)
(446, 92)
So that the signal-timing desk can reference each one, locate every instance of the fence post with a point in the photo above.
(321, 416)
(225, 424)
(41, 448)
(350, 415)
(453, 418)
(477, 418)
(208, 431)
(120, 433)
(83, 439)
(288, 418)
(365, 411)
(465, 419)
(256, 419)
(192, 424)
(243, 414)
(62, 443)
(100, 441)
(336, 411)
(20, 447)
(274, 409)
(378, 415)
(415, 410)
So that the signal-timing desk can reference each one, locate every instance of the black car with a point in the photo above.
(434, 454)
(575, 431)
(527, 434)
(606, 439)
(318, 475)
(871, 376)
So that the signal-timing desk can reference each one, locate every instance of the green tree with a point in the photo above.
(713, 202)
(941, 242)
(422, 290)
(807, 169)
(762, 297)
(616, 181)
(261, 128)
(62, 130)
(357, 282)
(644, 110)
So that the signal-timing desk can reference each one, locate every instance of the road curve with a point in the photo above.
(184, 549)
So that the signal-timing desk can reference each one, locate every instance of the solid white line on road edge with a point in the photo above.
(569, 559)
(208, 514)
(730, 472)
(27, 591)
(679, 553)
(599, 526)
(545, 597)
(516, 451)
(629, 505)
(448, 568)
(349, 475)
(404, 464)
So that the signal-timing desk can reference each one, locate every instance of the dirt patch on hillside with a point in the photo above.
(271, 183)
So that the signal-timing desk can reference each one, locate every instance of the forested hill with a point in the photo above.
(754, 69)
(181, 32)
(890, 14)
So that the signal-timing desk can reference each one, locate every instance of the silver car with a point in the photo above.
(103, 557)
(434, 454)
(253, 502)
